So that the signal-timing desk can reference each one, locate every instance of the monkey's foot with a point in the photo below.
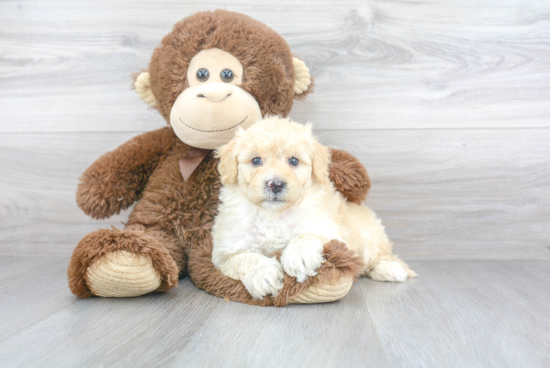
(114, 263)
(333, 281)
(329, 291)
(122, 274)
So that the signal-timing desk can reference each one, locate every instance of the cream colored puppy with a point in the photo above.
(277, 196)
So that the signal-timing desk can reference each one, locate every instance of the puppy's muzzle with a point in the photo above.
(275, 185)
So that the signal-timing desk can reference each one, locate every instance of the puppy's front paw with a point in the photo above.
(265, 277)
(302, 258)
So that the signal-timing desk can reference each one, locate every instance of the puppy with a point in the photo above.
(277, 197)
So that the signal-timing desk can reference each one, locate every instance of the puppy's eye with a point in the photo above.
(203, 74)
(293, 161)
(227, 75)
(256, 161)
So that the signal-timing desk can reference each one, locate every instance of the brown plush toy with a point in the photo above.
(214, 72)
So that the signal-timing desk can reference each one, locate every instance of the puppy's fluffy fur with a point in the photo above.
(297, 218)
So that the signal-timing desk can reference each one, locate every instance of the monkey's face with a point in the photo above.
(207, 113)
(219, 71)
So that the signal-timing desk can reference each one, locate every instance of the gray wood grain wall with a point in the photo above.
(447, 103)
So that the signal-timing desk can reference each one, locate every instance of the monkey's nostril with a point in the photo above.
(214, 96)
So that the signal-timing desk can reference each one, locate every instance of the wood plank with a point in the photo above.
(442, 194)
(11, 267)
(38, 211)
(456, 314)
(339, 334)
(458, 194)
(28, 297)
(71, 326)
(66, 65)
(464, 314)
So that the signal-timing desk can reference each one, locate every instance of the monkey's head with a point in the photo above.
(217, 71)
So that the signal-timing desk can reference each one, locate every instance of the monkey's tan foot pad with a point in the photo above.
(120, 263)
(332, 282)
(324, 293)
(122, 274)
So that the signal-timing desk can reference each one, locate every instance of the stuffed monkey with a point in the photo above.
(214, 72)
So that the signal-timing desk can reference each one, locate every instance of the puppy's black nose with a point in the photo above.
(275, 185)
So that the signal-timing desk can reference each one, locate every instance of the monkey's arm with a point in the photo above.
(349, 176)
(115, 180)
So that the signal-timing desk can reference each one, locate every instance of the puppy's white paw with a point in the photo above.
(265, 277)
(302, 258)
(389, 271)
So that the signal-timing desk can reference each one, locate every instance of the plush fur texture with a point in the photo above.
(265, 56)
(297, 218)
(115, 181)
(349, 176)
(172, 219)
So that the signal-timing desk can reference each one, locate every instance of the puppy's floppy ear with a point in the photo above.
(228, 166)
(321, 162)
(239, 133)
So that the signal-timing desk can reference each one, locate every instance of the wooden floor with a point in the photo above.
(456, 314)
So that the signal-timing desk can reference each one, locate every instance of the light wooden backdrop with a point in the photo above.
(447, 103)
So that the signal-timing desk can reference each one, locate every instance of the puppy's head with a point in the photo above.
(273, 162)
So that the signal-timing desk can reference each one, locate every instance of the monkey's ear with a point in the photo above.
(302, 81)
(143, 89)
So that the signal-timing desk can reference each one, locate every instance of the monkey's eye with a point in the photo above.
(203, 74)
(227, 75)
(256, 161)
(293, 161)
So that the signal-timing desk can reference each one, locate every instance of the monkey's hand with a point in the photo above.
(349, 176)
(115, 180)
